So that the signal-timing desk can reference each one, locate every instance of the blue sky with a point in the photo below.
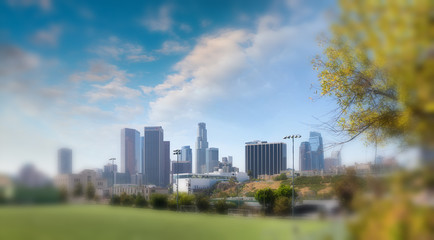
(74, 73)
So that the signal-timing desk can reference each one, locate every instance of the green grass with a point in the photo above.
(106, 222)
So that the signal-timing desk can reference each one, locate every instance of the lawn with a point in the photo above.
(107, 222)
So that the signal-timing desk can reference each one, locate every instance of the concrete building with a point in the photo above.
(201, 146)
(212, 159)
(145, 190)
(64, 161)
(192, 182)
(165, 165)
(85, 177)
(264, 158)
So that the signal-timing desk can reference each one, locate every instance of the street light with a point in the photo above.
(293, 195)
(177, 152)
(113, 171)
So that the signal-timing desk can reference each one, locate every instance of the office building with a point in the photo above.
(85, 177)
(130, 151)
(186, 154)
(264, 158)
(201, 146)
(64, 161)
(165, 165)
(153, 155)
(305, 157)
(316, 151)
(211, 159)
(193, 183)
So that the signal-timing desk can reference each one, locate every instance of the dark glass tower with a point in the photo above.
(153, 155)
(130, 151)
(317, 151)
(64, 161)
(201, 146)
(264, 158)
(305, 157)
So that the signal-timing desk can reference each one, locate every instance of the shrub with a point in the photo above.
(159, 201)
(202, 203)
(140, 201)
(221, 206)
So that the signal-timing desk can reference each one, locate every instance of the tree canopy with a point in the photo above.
(379, 66)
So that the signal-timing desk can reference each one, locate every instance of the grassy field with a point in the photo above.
(106, 222)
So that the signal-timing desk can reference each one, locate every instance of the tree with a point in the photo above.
(221, 206)
(126, 200)
(346, 188)
(78, 190)
(202, 203)
(281, 177)
(284, 191)
(379, 66)
(186, 199)
(282, 206)
(266, 198)
(63, 194)
(140, 201)
(90, 191)
(159, 201)
(115, 200)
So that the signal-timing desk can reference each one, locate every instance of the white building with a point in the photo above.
(144, 190)
(69, 181)
(190, 183)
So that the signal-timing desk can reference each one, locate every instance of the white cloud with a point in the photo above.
(113, 89)
(159, 22)
(141, 58)
(172, 47)
(43, 4)
(185, 27)
(14, 61)
(119, 50)
(49, 36)
(100, 71)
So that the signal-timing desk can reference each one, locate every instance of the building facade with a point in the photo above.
(264, 158)
(64, 161)
(212, 159)
(201, 146)
(186, 154)
(316, 151)
(305, 157)
(192, 183)
(153, 155)
(85, 177)
(165, 165)
(130, 151)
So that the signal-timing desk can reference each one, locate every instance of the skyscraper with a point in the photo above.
(264, 158)
(165, 165)
(186, 154)
(211, 158)
(153, 155)
(64, 161)
(317, 151)
(305, 157)
(130, 151)
(201, 146)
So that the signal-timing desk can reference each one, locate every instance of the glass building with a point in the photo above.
(201, 146)
(212, 159)
(316, 150)
(305, 157)
(64, 161)
(264, 158)
(186, 154)
(153, 155)
(130, 151)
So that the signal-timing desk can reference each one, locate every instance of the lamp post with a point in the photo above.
(293, 194)
(113, 171)
(177, 152)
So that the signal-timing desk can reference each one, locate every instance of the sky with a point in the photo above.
(74, 73)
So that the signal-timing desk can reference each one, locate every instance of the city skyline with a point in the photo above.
(78, 74)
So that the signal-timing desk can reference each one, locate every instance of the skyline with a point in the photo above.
(74, 74)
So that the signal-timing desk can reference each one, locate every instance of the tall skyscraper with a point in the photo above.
(130, 151)
(317, 150)
(64, 161)
(264, 158)
(165, 165)
(153, 155)
(211, 158)
(201, 146)
(305, 157)
(186, 154)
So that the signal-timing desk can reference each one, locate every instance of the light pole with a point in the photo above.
(177, 152)
(113, 171)
(293, 194)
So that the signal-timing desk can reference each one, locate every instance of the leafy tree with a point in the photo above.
(266, 198)
(63, 194)
(284, 191)
(90, 191)
(281, 177)
(250, 174)
(202, 203)
(159, 201)
(186, 199)
(115, 200)
(282, 206)
(171, 204)
(379, 66)
(126, 200)
(346, 188)
(78, 190)
(221, 206)
(140, 201)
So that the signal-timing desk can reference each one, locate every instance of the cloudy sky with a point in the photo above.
(73, 73)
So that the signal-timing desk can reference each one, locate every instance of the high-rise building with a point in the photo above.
(130, 151)
(165, 165)
(64, 161)
(153, 155)
(186, 154)
(264, 158)
(305, 157)
(316, 151)
(201, 146)
(212, 159)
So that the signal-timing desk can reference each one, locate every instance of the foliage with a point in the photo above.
(78, 190)
(171, 204)
(379, 66)
(115, 200)
(63, 193)
(140, 201)
(284, 191)
(281, 177)
(346, 188)
(35, 195)
(126, 200)
(186, 199)
(90, 191)
(221, 206)
(159, 201)
(266, 198)
(202, 203)
(282, 206)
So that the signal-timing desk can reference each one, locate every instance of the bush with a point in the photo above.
(90, 191)
(126, 200)
(159, 201)
(281, 177)
(185, 199)
(282, 206)
(171, 204)
(221, 206)
(115, 200)
(140, 202)
(202, 203)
